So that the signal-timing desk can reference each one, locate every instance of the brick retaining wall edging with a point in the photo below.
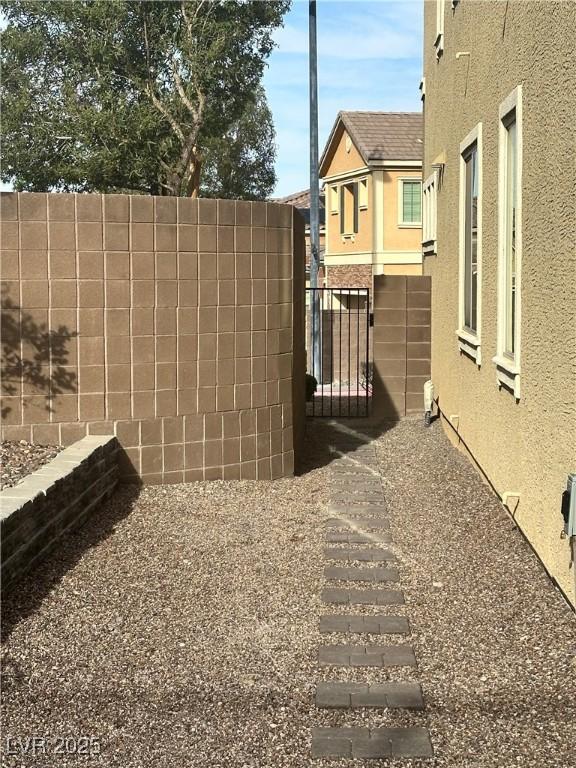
(36, 513)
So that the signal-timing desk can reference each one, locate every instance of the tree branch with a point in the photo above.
(180, 88)
(155, 100)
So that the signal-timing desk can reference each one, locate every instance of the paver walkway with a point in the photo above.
(181, 625)
(357, 516)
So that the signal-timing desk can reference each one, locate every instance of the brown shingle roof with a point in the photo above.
(300, 199)
(381, 136)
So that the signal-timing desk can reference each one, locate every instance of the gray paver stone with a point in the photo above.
(362, 555)
(366, 656)
(393, 625)
(338, 695)
(374, 523)
(371, 744)
(358, 510)
(374, 575)
(362, 596)
(388, 695)
(411, 742)
(353, 537)
(351, 623)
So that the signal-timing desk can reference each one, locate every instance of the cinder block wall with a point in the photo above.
(299, 336)
(165, 321)
(36, 513)
(401, 344)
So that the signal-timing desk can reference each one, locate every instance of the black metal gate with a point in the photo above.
(343, 369)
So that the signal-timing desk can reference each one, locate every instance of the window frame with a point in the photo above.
(430, 213)
(363, 194)
(408, 224)
(439, 39)
(508, 365)
(349, 235)
(333, 197)
(470, 340)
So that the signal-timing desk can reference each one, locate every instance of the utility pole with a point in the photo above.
(315, 319)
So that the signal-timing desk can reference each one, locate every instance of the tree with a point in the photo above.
(240, 164)
(114, 95)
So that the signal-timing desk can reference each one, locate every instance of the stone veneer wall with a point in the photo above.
(349, 276)
(167, 322)
(401, 344)
(36, 513)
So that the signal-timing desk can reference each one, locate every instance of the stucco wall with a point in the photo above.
(399, 269)
(341, 159)
(397, 238)
(362, 240)
(526, 446)
(166, 322)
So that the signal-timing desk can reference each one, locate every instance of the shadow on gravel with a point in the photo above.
(25, 596)
(328, 439)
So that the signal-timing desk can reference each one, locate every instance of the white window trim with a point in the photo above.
(348, 235)
(429, 213)
(439, 39)
(347, 176)
(363, 194)
(470, 343)
(334, 195)
(507, 368)
(408, 224)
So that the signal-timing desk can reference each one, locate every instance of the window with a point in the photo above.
(410, 203)
(510, 219)
(333, 196)
(429, 209)
(363, 194)
(439, 39)
(349, 208)
(470, 243)
(509, 242)
(471, 239)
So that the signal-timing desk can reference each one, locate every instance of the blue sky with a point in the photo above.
(369, 57)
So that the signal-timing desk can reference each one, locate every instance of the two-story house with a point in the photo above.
(371, 169)
(499, 224)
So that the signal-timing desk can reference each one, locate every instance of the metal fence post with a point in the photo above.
(314, 194)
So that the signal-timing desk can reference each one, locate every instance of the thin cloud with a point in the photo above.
(369, 57)
(349, 45)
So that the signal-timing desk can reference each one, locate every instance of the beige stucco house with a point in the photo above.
(499, 223)
(371, 169)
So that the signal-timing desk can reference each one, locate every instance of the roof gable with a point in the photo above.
(378, 136)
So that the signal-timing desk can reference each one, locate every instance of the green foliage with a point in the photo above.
(240, 164)
(126, 95)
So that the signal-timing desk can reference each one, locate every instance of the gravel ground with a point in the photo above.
(19, 459)
(180, 626)
(495, 641)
